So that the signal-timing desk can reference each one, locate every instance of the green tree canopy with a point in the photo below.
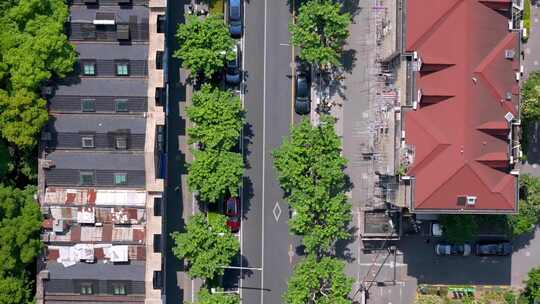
(207, 246)
(21, 117)
(530, 97)
(458, 228)
(15, 290)
(215, 174)
(320, 31)
(217, 116)
(321, 282)
(205, 297)
(33, 49)
(529, 206)
(20, 223)
(205, 45)
(310, 170)
(532, 286)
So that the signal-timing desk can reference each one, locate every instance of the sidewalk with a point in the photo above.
(364, 109)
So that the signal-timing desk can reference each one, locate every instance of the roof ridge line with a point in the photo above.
(435, 25)
(441, 184)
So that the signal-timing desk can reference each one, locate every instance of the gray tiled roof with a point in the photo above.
(105, 87)
(80, 13)
(93, 160)
(99, 271)
(98, 123)
(109, 51)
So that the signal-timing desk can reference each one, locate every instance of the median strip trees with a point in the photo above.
(205, 45)
(217, 118)
(322, 282)
(310, 171)
(207, 245)
(320, 31)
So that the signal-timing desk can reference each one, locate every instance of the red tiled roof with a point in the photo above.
(459, 129)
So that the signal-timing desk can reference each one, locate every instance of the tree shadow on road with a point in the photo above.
(352, 7)
(348, 60)
(344, 248)
(523, 240)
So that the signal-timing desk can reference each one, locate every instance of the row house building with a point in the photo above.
(101, 159)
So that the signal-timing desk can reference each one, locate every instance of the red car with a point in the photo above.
(232, 210)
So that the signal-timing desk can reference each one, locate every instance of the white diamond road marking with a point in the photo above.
(276, 211)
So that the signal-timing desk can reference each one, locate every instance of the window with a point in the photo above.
(157, 280)
(119, 289)
(121, 105)
(122, 69)
(89, 69)
(157, 242)
(87, 141)
(159, 60)
(120, 142)
(161, 23)
(86, 178)
(157, 206)
(120, 178)
(159, 96)
(86, 289)
(88, 105)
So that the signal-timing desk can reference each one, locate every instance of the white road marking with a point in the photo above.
(276, 211)
(264, 150)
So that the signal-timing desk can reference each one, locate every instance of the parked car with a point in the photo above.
(232, 69)
(235, 18)
(302, 91)
(232, 211)
(493, 248)
(453, 249)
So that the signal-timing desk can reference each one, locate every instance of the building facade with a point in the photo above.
(101, 161)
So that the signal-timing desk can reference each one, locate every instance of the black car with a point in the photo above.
(302, 89)
(493, 248)
(232, 71)
(235, 18)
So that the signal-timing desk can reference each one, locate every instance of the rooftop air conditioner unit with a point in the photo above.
(509, 54)
(509, 116)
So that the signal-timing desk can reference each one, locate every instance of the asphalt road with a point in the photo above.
(172, 209)
(267, 246)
